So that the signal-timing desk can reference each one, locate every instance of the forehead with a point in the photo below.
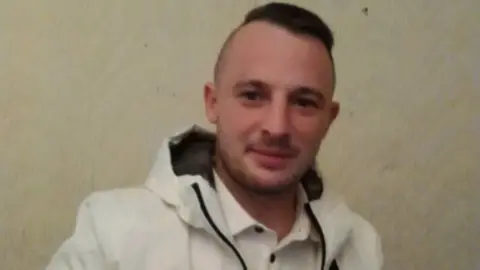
(266, 52)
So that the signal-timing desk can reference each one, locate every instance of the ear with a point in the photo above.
(334, 111)
(210, 101)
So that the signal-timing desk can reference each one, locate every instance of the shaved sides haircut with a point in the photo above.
(290, 17)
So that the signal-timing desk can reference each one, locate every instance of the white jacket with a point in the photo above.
(174, 221)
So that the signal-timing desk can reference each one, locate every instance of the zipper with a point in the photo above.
(316, 225)
(222, 236)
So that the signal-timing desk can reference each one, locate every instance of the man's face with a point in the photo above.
(272, 106)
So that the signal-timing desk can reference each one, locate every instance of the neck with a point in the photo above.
(277, 211)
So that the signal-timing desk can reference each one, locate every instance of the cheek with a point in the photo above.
(240, 121)
(233, 131)
(309, 131)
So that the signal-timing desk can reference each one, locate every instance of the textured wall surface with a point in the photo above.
(88, 89)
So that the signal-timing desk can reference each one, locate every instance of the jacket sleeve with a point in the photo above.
(364, 249)
(82, 251)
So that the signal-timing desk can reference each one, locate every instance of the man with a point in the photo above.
(247, 196)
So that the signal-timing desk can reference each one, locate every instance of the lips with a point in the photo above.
(271, 159)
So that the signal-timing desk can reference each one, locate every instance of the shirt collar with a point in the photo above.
(238, 220)
(302, 229)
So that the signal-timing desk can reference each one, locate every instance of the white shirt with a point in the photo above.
(258, 244)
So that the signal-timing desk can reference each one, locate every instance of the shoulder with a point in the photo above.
(123, 206)
(364, 245)
(116, 212)
(121, 201)
(365, 234)
(117, 225)
(121, 219)
(355, 241)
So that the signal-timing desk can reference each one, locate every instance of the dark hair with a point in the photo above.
(293, 18)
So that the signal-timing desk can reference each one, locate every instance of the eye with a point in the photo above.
(252, 98)
(251, 95)
(306, 102)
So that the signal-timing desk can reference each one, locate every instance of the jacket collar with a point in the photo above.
(186, 159)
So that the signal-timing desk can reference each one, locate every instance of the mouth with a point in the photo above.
(272, 159)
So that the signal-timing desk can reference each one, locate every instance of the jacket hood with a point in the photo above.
(186, 158)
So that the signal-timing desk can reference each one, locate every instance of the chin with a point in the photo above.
(268, 180)
(271, 179)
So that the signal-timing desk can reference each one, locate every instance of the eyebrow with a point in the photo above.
(304, 90)
(299, 90)
(255, 83)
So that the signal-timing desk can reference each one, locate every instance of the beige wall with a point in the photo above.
(89, 88)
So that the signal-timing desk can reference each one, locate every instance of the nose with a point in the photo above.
(275, 119)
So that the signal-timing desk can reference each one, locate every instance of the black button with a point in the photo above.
(259, 229)
(272, 258)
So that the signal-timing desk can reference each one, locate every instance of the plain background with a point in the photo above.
(89, 89)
